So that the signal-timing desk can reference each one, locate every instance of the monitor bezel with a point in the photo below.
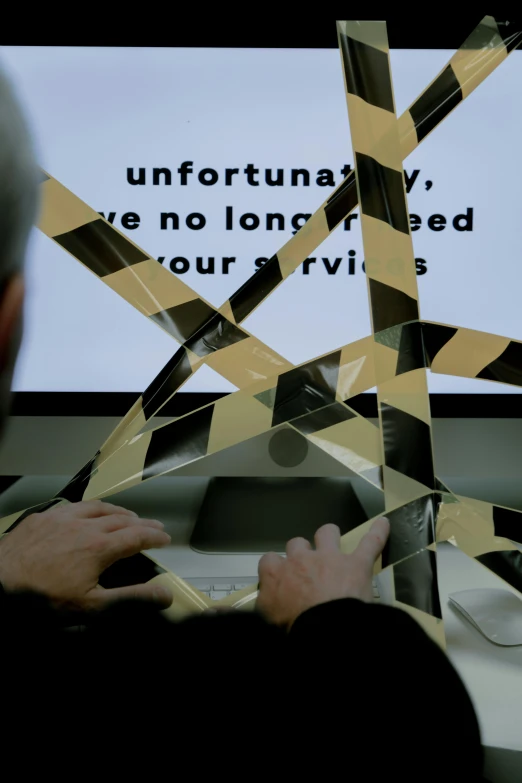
(443, 406)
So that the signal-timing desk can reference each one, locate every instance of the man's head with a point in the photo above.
(18, 201)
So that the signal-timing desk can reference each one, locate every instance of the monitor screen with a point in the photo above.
(210, 159)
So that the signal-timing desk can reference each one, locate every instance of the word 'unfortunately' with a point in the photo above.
(250, 174)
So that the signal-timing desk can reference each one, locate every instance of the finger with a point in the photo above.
(297, 545)
(269, 566)
(115, 522)
(372, 544)
(88, 509)
(130, 540)
(328, 538)
(152, 593)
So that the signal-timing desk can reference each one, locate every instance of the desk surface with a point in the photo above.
(492, 674)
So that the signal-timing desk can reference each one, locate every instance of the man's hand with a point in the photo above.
(289, 586)
(62, 552)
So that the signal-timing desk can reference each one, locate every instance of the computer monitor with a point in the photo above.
(210, 158)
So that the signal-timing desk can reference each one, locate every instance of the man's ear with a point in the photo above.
(11, 307)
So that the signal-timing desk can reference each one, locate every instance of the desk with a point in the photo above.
(493, 675)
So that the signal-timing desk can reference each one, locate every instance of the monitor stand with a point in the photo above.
(255, 515)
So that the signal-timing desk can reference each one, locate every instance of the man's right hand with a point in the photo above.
(305, 578)
(62, 552)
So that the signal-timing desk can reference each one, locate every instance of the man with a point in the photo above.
(62, 552)
(318, 683)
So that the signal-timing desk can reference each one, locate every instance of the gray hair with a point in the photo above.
(18, 182)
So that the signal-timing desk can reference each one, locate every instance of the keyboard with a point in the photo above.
(218, 587)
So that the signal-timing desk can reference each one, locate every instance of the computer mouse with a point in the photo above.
(497, 614)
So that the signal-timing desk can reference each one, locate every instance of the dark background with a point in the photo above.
(239, 25)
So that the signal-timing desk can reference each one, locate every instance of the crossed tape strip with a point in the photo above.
(128, 270)
(405, 429)
(488, 533)
(510, 43)
(305, 397)
(487, 46)
(172, 377)
(184, 312)
(480, 54)
(143, 568)
(207, 335)
(378, 160)
(326, 425)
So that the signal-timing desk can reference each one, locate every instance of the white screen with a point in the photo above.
(96, 112)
